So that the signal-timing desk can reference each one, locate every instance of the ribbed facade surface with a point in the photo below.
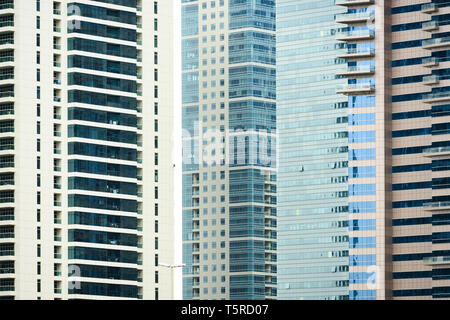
(229, 149)
(75, 198)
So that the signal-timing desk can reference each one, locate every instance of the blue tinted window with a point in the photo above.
(361, 154)
(362, 207)
(412, 168)
(362, 260)
(361, 119)
(362, 172)
(363, 294)
(362, 189)
(362, 225)
(362, 242)
(361, 101)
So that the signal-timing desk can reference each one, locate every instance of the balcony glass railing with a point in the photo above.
(356, 86)
(355, 16)
(360, 69)
(360, 51)
(428, 6)
(436, 204)
(430, 78)
(437, 95)
(356, 33)
(350, 1)
(429, 24)
(436, 259)
(436, 41)
(430, 60)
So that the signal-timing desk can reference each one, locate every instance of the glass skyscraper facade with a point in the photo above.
(389, 72)
(229, 158)
(312, 119)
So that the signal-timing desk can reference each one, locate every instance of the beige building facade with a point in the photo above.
(87, 159)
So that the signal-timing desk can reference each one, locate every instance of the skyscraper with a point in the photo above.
(229, 191)
(86, 143)
(313, 146)
(397, 96)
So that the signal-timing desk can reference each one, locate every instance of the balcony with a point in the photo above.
(356, 34)
(436, 152)
(436, 97)
(356, 89)
(430, 26)
(349, 3)
(436, 260)
(436, 43)
(430, 80)
(349, 18)
(357, 71)
(357, 53)
(429, 8)
(430, 62)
